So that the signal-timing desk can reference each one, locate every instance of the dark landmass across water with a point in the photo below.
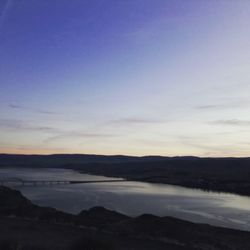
(215, 174)
(26, 226)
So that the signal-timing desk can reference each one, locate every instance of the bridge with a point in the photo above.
(21, 182)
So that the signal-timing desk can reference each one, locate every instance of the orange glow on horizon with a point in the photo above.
(43, 151)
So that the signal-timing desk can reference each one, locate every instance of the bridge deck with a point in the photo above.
(53, 182)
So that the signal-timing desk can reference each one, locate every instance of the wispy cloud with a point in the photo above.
(79, 135)
(225, 104)
(211, 106)
(32, 149)
(18, 125)
(232, 122)
(194, 141)
(4, 12)
(206, 146)
(36, 110)
(55, 134)
(127, 121)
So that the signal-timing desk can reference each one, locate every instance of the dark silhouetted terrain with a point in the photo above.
(24, 226)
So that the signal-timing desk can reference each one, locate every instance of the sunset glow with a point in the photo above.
(139, 77)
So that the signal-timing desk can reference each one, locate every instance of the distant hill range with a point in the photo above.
(57, 160)
(62, 159)
(217, 174)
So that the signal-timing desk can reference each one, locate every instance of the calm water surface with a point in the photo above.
(134, 198)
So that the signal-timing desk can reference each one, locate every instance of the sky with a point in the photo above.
(134, 77)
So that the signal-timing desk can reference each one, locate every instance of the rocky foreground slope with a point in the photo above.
(26, 226)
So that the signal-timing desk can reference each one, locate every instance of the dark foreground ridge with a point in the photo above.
(216, 174)
(26, 226)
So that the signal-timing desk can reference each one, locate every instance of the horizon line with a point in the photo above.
(132, 156)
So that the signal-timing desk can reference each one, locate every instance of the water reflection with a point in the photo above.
(134, 198)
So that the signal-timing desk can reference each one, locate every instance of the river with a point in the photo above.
(133, 198)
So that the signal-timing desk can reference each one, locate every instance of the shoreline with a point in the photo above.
(230, 175)
(20, 219)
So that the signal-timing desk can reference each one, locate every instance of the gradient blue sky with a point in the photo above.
(137, 77)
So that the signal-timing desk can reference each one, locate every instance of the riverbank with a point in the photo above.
(33, 227)
(229, 175)
(219, 175)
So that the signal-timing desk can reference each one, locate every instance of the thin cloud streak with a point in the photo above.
(226, 105)
(211, 106)
(127, 121)
(40, 111)
(32, 149)
(232, 122)
(202, 143)
(17, 125)
(79, 135)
